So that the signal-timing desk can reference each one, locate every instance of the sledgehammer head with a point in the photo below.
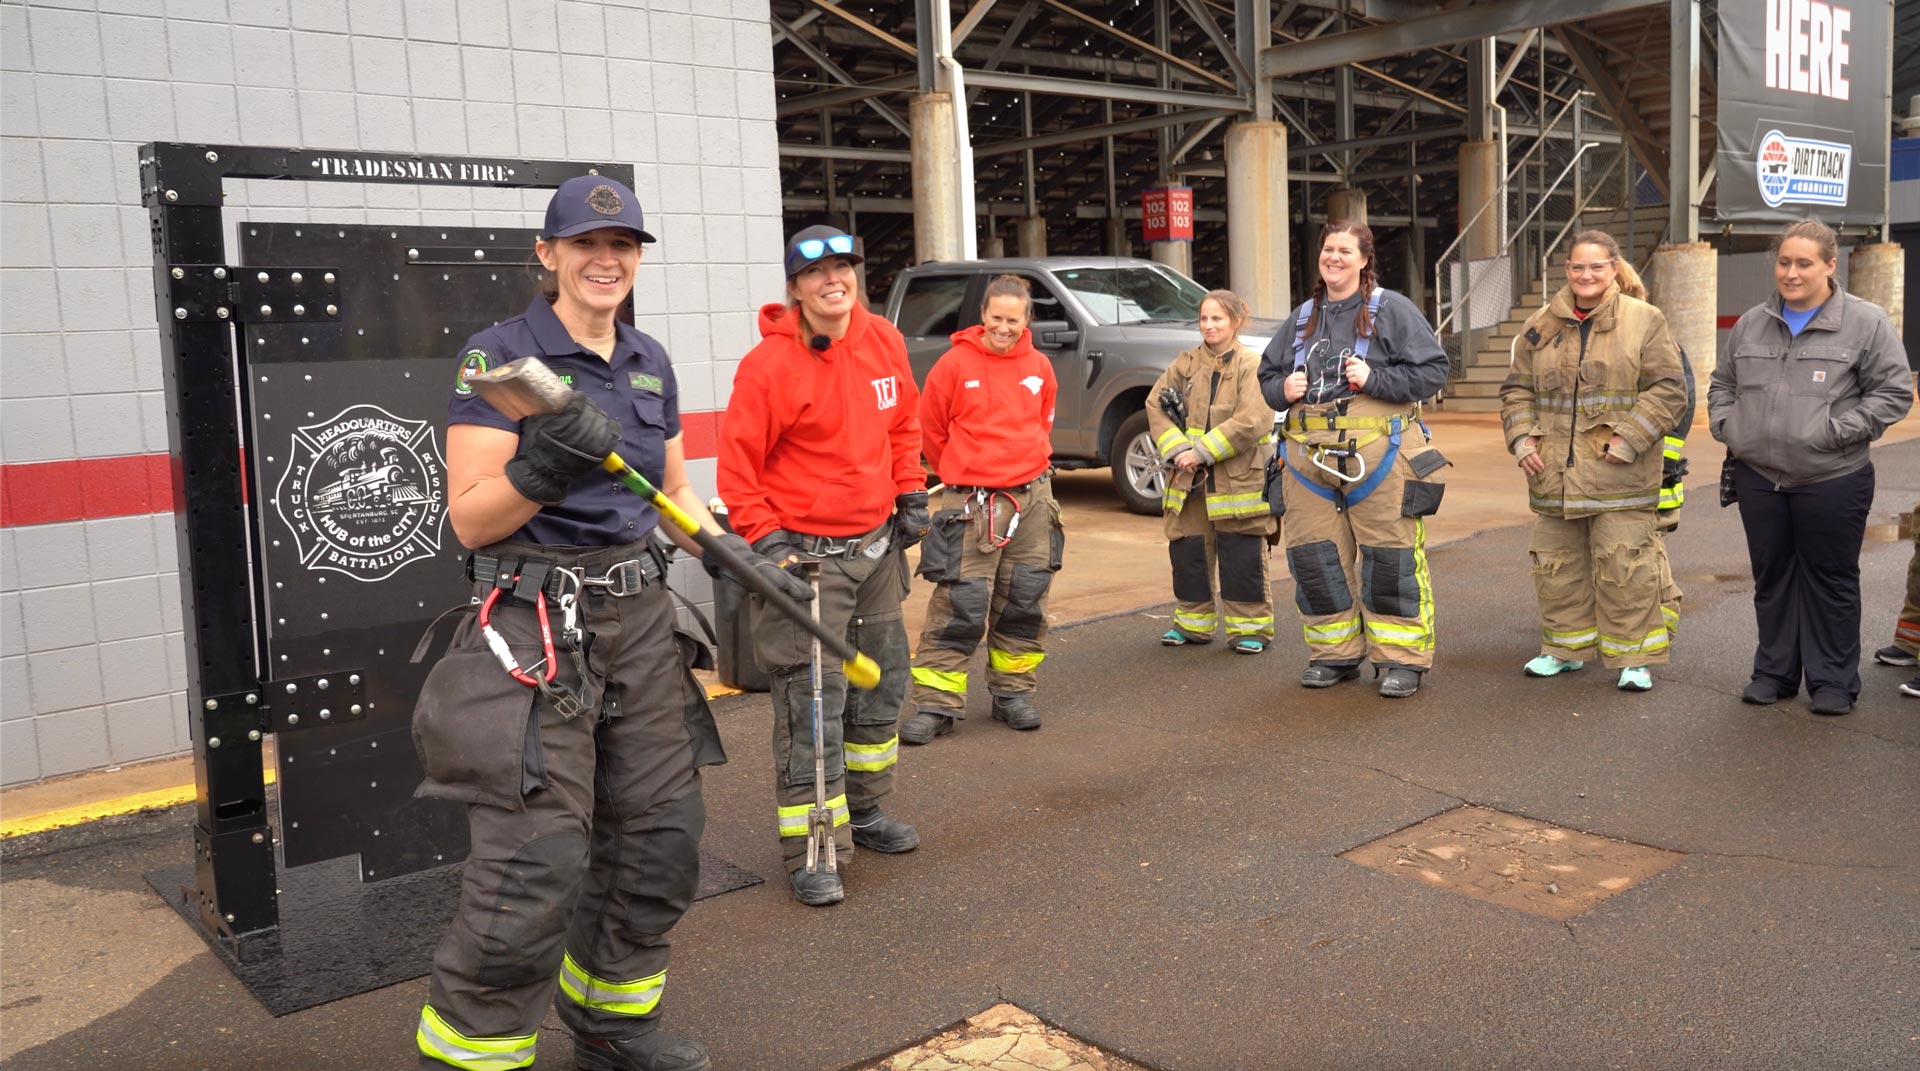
(521, 388)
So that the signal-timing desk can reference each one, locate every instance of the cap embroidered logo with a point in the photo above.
(604, 200)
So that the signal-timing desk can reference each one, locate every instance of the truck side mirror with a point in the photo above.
(1052, 334)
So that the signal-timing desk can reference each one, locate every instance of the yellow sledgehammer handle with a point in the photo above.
(862, 671)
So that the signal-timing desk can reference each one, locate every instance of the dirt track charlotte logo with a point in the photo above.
(1802, 171)
(363, 493)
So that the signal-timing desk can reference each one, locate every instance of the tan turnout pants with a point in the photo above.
(1360, 573)
(1202, 549)
(998, 593)
(1601, 581)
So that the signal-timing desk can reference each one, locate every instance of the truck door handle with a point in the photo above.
(1094, 357)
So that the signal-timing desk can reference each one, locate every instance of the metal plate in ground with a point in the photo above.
(338, 937)
(1005, 1037)
(1513, 861)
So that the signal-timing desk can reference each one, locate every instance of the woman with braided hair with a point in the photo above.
(1360, 475)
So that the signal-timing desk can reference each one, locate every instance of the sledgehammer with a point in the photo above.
(527, 387)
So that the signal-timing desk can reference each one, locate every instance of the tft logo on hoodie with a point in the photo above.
(887, 390)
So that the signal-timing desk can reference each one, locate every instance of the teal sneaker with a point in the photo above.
(1547, 665)
(1635, 679)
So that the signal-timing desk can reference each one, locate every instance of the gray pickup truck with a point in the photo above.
(1110, 325)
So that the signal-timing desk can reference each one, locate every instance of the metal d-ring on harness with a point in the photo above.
(564, 699)
(1358, 484)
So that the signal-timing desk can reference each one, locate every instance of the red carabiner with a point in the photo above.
(505, 654)
(1001, 540)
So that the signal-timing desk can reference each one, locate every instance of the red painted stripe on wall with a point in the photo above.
(1726, 323)
(48, 492)
(89, 488)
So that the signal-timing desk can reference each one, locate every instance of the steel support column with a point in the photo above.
(1683, 180)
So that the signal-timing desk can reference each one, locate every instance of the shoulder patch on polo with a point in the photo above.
(472, 363)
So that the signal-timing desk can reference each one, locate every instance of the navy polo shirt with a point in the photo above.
(636, 388)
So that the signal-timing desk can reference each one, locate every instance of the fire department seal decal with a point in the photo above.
(604, 200)
(363, 493)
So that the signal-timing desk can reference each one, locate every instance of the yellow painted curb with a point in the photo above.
(159, 798)
(156, 799)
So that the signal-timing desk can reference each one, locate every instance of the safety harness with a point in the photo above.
(1367, 430)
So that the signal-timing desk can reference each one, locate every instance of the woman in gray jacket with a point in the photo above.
(1810, 377)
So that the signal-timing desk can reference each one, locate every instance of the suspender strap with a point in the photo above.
(1360, 345)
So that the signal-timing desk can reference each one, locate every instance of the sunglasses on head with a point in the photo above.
(815, 248)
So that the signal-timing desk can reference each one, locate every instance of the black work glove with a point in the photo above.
(911, 519)
(558, 448)
(778, 559)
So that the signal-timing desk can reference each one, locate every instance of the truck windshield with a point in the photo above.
(1133, 295)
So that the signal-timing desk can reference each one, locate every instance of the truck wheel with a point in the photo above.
(1137, 474)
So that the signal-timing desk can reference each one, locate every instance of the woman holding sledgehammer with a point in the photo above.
(563, 713)
(820, 461)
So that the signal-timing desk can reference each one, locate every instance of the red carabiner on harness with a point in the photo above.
(998, 541)
(505, 654)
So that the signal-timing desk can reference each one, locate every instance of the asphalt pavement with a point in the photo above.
(1158, 869)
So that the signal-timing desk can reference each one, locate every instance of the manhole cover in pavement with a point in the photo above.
(1513, 861)
(1002, 1038)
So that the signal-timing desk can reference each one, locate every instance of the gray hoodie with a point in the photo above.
(1801, 410)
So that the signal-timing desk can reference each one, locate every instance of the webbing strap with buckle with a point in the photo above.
(619, 580)
(1343, 498)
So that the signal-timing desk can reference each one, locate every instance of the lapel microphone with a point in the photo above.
(819, 343)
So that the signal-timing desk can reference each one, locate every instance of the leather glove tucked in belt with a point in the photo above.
(558, 448)
(777, 558)
(911, 519)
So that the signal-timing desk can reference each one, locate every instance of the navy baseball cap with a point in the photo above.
(817, 243)
(590, 202)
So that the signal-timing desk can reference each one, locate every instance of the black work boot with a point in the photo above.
(1399, 682)
(924, 726)
(1320, 675)
(1017, 711)
(876, 832)
(651, 1051)
(818, 888)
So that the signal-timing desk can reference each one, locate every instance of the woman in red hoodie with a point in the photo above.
(820, 460)
(986, 422)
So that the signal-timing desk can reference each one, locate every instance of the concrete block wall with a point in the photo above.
(91, 653)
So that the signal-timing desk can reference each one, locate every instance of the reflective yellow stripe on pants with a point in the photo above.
(1008, 662)
(1333, 631)
(637, 997)
(793, 820)
(871, 757)
(1249, 626)
(1200, 624)
(441, 1042)
(941, 680)
(1657, 640)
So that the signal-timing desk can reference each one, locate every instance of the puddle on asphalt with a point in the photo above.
(1005, 1037)
(1513, 861)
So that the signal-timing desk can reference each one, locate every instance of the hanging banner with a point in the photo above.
(1166, 214)
(1804, 111)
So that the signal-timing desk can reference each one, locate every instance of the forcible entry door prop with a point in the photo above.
(306, 385)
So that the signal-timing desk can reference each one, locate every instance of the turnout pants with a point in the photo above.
(859, 597)
(1906, 631)
(981, 590)
(1198, 548)
(1360, 573)
(1804, 543)
(587, 850)
(1601, 581)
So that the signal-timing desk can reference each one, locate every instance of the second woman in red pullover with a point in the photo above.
(986, 423)
(820, 460)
